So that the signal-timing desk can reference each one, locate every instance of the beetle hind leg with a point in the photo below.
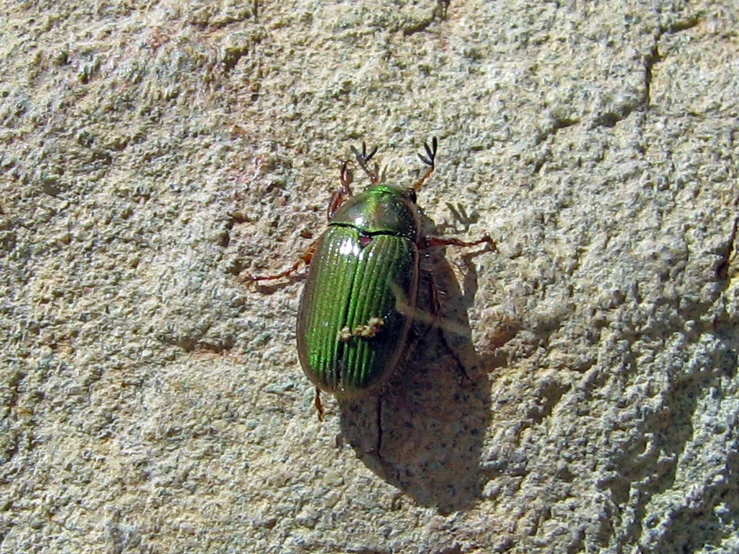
(318, 404)
(378, 444)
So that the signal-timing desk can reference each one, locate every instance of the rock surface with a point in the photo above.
(154, 154)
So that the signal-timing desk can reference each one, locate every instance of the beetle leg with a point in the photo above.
(379, 426)
(305, 258)
(338, 197)
(444, 326)
(435, 302)
(362, 158)
(318, 404)
(429, 161)
(428, 242)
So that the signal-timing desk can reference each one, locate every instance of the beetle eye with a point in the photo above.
(412, 195)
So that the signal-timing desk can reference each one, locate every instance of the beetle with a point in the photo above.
(360, 295)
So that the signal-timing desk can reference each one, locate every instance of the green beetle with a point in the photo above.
(360, 296)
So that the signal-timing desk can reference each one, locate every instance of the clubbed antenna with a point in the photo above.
(429, 160)
(362, 158)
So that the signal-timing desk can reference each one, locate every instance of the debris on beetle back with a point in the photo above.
(364, 331)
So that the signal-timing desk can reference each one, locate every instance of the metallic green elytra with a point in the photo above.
(365, 265)
(359, 299)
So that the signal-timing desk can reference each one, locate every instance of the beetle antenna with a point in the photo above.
(430, 152)
(362, 158)
(368, 157)
(429, 160)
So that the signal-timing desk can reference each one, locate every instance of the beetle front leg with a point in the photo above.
(338, 197)
(304, 259)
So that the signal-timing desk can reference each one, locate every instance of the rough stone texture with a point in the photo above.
(154, 153)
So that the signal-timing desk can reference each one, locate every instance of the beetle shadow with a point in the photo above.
(424, 432)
